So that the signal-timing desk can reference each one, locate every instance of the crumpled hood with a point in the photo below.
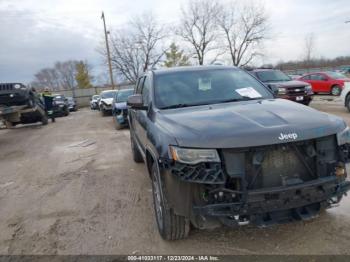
(108, 101)
(121, 105)
(247, 124)
(292, 83)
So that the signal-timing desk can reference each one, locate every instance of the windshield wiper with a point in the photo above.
(243, 98)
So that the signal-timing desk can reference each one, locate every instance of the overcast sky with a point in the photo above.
(36, 33)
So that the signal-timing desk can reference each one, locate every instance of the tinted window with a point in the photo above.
(123, 95)
(59, 98)
(108, 94)
(139, 85)
(206, 87)
(272, 76)
(146, 91)
(317, 77)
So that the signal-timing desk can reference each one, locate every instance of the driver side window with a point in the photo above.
(146, 91)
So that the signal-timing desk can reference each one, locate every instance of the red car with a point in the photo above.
(326, 82)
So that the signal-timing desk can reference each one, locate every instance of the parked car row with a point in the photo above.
(113, 102)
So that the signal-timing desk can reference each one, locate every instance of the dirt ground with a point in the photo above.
(72, 188)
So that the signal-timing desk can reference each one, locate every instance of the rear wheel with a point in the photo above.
(336, 90)
(170, 225)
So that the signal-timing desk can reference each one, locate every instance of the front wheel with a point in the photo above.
(170, 225)
(44, 120)
(336, 90)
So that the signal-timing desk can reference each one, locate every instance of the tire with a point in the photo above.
(136, 155)
(116, 123)
(9, 124)
(44, 120)
(336, 90)
(347, 102)
(103, 112)
(170, 225)
(117, 126)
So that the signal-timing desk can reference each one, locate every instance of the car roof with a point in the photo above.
(124, 90)
(190, 69)
(264, 69)
(112, 90)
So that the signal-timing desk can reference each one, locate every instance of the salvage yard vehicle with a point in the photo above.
(120, 109)
(60, 105)
(220, 149)
(94, 102)
(72, 104)
(288, 88)
(326, 82)
(20, 104)
(345, 96)
(105, 102)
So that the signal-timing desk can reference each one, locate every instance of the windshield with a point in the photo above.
(123, 95)
(59, 98)
(108, 94)
(336, 75)
(272, 76)
(190, 88)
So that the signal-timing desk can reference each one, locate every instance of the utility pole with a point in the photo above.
(108, 53)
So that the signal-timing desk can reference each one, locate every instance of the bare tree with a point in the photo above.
(138, 47)
(244, 29)
(46, 77)
(309, 48)
(61, 76)
(66, 72)
(198, 26)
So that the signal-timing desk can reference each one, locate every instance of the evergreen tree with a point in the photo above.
(82, 76)
(175, 57)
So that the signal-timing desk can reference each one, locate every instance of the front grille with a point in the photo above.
(6, 87)
(297, 90)
(283, 164)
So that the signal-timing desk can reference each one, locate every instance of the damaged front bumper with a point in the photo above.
(263, 185)
(280, 204)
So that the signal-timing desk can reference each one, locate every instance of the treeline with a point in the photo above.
(206, 31)
(314, 63)
(64, 76)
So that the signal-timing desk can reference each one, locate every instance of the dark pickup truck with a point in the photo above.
(288, 88)
(220, 149)
(20, 104)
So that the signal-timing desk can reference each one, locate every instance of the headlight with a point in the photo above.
(194, 156)
(282, 91)
(308, 88)
(17, 86)
(343, 137)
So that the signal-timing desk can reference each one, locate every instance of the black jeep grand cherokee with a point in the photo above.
(220, 149)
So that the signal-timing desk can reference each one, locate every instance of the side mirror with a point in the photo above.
(136, 102)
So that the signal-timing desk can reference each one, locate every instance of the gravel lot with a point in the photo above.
(72, 188)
